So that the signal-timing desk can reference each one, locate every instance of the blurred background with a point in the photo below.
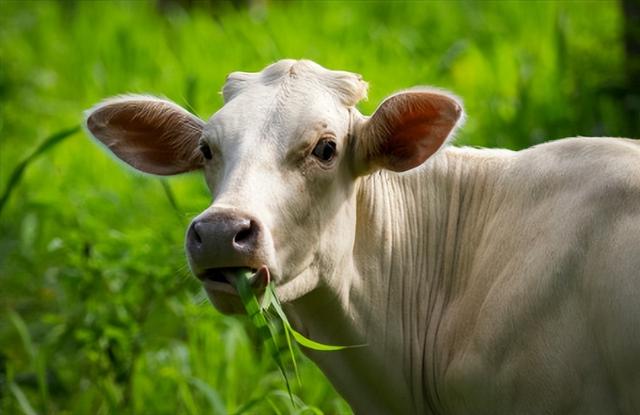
(98, 312)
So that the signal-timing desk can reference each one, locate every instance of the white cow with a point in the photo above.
(482, 281)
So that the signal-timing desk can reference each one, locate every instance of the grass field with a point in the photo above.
(98, 312)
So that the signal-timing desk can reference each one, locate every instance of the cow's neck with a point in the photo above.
(415, 240)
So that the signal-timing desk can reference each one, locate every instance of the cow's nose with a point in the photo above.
(240, 232)
(224, 239)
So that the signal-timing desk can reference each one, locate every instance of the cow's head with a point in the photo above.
(281, 158)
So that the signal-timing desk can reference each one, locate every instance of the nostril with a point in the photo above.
(194, 233)
(245, 234)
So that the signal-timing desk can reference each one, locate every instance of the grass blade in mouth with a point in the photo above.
(300, 339)
(262, 315)
(268, 336)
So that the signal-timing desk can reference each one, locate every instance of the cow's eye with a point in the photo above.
(325, 150)
(205, 150)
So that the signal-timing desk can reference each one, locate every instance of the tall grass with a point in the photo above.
(47, 145)
(98, 311)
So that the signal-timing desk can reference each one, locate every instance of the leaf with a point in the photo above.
(301, 339)
(217, 404)
(22, 399)
(258, 313)
(308, 343)
(242, 284)
(45, 146)
(24, 334)
(293, 356)
(271, 300)
(307, 409)
(248, 405)
(171, 197)
(267, 298)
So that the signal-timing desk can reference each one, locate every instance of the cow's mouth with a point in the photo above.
(221, 279)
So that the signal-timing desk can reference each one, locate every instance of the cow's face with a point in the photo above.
(281, 159)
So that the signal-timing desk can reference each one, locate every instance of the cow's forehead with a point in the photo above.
(348, 87)
(284, 100)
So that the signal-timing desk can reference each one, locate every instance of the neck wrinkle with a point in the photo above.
(417, 221)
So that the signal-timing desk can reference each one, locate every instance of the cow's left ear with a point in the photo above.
(405, 130)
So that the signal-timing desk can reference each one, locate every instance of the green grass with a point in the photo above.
(98, 312)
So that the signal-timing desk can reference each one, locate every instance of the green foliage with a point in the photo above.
(18, 171)
(98, 312)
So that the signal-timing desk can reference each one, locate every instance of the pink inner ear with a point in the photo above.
(417, 125)
(410, 146)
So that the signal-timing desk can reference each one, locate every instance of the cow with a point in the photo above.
(482, 281)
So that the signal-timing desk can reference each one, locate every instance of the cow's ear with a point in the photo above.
(405, 130)
(153, 135)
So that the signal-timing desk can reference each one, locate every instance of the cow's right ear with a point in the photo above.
(405, 130)
(152, 135)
